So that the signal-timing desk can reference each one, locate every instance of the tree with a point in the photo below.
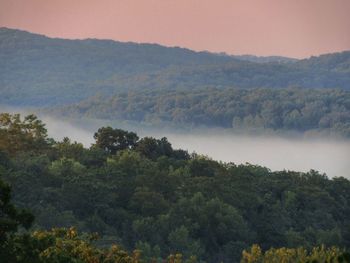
(11, 219)
(153, 148)
(180, 241)
(113, 140)
(291, 255)
(18, 135)
(148, 147)
(70, 150)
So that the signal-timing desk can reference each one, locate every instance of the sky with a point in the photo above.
(294, 28)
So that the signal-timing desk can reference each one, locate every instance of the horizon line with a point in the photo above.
(219, 53)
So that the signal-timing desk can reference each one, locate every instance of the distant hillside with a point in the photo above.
(44, 70)
(259, 59)
(291, 109)
(36, 70)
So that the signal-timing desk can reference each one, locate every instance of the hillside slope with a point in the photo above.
(291, 109)
(36, 70)
(143, 193)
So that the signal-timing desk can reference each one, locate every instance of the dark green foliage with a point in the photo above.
(114, 140)
(344, 258)
(291, 109)
(147, 197)
(11, 219)
(27, 135)
(36, 70)
(318, 254)
(153, 148)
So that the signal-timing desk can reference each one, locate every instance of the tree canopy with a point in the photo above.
(165, 201)
(255, 110)
(25, 135)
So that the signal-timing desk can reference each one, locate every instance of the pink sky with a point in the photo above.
(296, 28)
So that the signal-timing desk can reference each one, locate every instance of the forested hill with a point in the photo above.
(291, 109)
(260, 59)
(60, 70)
(37, 70)
(143, 194)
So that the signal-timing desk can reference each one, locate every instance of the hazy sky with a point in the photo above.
(296, 28)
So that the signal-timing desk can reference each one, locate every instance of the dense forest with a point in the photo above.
(37, 70)
(324, 111)
(142, 194)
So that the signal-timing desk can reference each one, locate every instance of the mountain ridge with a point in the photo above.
(244, 57)
(40, 71)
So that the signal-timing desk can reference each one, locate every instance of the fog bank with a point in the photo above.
(325, 155)
(328, 156)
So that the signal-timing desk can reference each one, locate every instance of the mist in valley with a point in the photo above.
(330, 156)
(297, 153)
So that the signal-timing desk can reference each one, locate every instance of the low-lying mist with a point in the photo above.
(325, 155)
(330, 157)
